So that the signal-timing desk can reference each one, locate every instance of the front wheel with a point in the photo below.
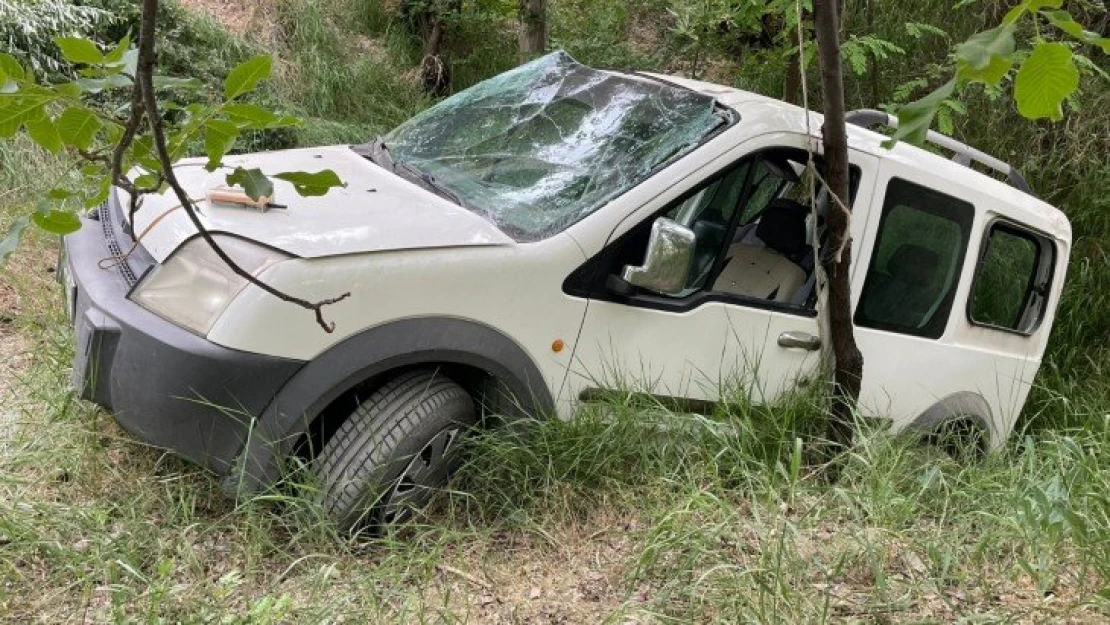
(394, 450)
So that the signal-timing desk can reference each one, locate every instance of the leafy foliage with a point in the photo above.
(28, 29)
(64, 116)
(1044, 80)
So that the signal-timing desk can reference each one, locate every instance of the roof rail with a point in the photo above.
(964, 154)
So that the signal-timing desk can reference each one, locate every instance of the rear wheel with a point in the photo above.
(962, 439)
(392, 453)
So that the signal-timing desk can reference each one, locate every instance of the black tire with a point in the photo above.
(960, 439)
(391, 454)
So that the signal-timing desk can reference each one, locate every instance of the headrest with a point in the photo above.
(783, 226)
(913, 264)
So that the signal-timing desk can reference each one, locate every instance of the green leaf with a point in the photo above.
(57, 222)
(1037, 5)
(169, 82)
(96, 85)
(11, 67)
(247, 75)
(255, 183)
(78, 127)
(915, 118)
(115, 55)
(219, 136)
(249, 115)
(60, 194)
(1065, 22)
(11, 239)
(79, 50)
(986, 56)
(311, 184)
(15, 107)
(43, 131)
(1045, 80)
(142, 150)
(103, 190)
(145, 181)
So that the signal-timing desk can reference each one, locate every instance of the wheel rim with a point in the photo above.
(427, 470)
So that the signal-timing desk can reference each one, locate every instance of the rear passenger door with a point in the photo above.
(912, 264)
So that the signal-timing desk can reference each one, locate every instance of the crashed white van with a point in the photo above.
(535, 241)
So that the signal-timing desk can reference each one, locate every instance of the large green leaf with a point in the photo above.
(249, 114)
(56, 221)
(247, 75)
(1045, 80)
(78, 127)
(96, 85)
(11, 239)
(309, 184)
(1065, 22)
(43, 131)
(79, 50)
(11, 67)
(15, 107)
(116, 54)
(255, 183)
(986, 56)
(219, 136)
(915, 118)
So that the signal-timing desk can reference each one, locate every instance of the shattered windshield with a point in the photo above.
(538, 148)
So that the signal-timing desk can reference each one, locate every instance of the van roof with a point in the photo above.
(791, 117)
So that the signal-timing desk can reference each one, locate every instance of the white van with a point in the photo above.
(537, 240)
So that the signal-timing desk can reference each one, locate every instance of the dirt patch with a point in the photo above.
(14, 358)
(573, 575)
(251, 19)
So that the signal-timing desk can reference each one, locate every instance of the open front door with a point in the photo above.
(744, 319)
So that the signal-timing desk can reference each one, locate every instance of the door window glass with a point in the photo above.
(915, 266)
(1008, 291)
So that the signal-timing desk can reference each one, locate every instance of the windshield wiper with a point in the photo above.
(429, 181)
(377, 152)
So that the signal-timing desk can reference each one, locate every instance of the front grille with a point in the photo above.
(107, 221)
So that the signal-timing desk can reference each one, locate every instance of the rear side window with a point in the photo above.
(915, 267)
(1011, 281)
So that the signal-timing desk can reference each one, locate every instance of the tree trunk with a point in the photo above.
(872, 62)
(434, 73)
(792, 86)
(533, 29)
(848, 365)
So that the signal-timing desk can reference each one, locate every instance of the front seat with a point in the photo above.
(767, 271)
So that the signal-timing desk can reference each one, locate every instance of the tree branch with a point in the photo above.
(144, 94)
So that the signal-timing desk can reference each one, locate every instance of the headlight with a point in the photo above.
(193, 287)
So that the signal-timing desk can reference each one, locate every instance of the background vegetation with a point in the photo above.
(642, 516)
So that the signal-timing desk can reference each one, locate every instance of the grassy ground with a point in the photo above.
(601, 520)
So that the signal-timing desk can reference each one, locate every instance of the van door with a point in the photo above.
(746, 321)
(912, 257)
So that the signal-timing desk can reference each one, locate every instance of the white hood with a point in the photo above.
(376, 211)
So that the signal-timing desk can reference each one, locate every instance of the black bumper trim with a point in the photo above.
(167, 386)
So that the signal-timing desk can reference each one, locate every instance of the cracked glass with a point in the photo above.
(539, 147)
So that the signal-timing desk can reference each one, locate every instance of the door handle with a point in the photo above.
(801, 340)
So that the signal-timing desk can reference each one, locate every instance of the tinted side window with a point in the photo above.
(1009, 289)
(915, 267)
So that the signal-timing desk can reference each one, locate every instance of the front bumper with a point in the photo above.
(165, 385)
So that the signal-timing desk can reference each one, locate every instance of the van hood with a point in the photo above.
(376, 211)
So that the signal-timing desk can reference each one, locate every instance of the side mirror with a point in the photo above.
(670, 254)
